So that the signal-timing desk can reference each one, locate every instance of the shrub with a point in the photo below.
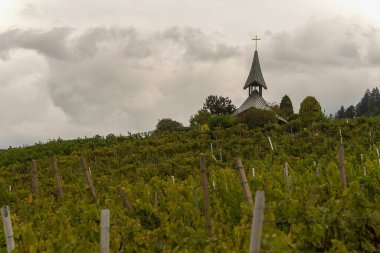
(200, 118)
(293, 117)
(223, 121)
(256, 117)
(310, 110)
(168, 125)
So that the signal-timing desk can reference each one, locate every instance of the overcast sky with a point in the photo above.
(78, 68)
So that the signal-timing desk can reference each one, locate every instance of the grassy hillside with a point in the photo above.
(311, 214)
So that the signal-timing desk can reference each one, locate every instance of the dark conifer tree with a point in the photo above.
(350, 112)
(286, 106)
(362, 108)
(341, 113)
(375, 102)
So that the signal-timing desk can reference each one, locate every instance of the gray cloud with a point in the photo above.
(50, 43)
(332, 59)
(198, 46)
(117, 76)
(329, 42)
(75, 82)
(373, 37)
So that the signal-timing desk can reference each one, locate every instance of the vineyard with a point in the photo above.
(152, 186)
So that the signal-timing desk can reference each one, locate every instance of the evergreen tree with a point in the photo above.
(374, 102)
(286, 106)
(350, 112)
(362, 108)
(341, 113)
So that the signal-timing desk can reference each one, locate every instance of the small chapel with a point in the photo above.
(255, 84)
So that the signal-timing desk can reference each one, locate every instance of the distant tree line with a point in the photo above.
(218, 112)
(369, 105)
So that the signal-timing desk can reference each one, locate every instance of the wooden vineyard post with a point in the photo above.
(104, 231)
(206, 196)
(87, 177)
(316, 169)
(212, 153)
(34, 179)
(195, 199)
(270, 143)
(378, 155)
(243, 181)
(257, 222)
(286, 172)
(271, 146)
(8, 231)
(124, 197)
(342, 169)
(57, 176)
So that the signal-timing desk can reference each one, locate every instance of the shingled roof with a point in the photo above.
(256, 101)
(255, 77)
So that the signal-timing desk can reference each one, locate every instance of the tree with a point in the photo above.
(362, 108)
(374, 103)
(167, 125)
(350, 112)
(200, 118)
(219, 105)
(286, 106)
(310, 110)
(341, 114)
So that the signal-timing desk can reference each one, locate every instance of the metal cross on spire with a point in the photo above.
(256, 39)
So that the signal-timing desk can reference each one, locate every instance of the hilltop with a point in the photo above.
(306, 210)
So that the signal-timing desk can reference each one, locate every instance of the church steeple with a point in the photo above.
(255, 77)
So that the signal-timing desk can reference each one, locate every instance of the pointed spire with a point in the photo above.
(255, 77)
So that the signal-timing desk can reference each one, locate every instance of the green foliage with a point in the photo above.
(350, 112)
(310, 110)
(58, 147)
(369, 105)
(219, 105)
(341, 114)
(286, 106)
(293, 117)
(200, 118)
(256, 117)
(223, 121)
(314, 214)
(168, 125)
